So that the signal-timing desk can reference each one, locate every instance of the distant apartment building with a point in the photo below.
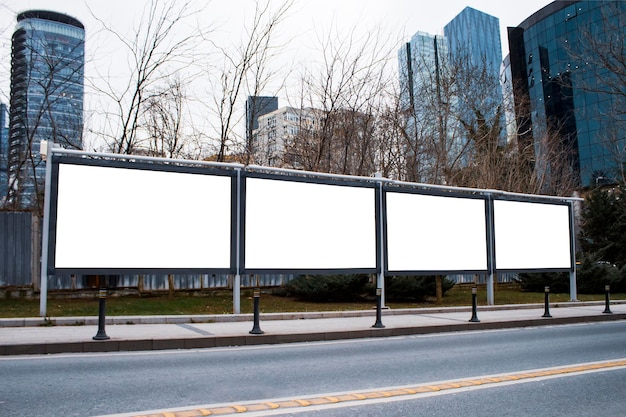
(46, 103)
(277, 132)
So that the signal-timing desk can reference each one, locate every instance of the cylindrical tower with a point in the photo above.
(47, 89)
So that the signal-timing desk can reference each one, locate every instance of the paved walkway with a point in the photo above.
(75, 334)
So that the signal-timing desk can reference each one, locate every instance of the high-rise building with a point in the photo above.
(437, 76)
(475, 35)
(47, 88)
(563, 64)
(4, 152)
(422, 63)
(257, 106)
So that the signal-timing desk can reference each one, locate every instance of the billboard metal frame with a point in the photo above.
(572, 249)
(239, 174)
(453, 194)
(141, 166)
(308, 178)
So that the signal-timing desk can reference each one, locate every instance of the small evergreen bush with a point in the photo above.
(593, 275)
(409, 288)
(329, 288)
(536, 282)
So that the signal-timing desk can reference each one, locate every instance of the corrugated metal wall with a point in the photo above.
(161, 282)
(19, 257)
(20, 239)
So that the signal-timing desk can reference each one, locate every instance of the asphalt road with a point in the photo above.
(98, 384)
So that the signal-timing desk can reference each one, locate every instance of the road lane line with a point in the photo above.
(258, 408)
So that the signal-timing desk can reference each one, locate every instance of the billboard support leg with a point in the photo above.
(237, 295)
(490, 298)
(573, 293)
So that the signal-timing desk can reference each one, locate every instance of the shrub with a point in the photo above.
(536, 282)
(412, 288)
(593, 275)
(334, 288)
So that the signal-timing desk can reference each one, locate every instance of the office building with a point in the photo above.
(475, 35)
(442, 80)
(46, 103)
(277, 131)
(561, 60)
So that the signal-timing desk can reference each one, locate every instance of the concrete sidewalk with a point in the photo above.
(75, 334)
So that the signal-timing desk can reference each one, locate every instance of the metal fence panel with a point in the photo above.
(16, 248)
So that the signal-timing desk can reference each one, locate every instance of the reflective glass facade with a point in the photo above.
(556, 63)
(4, 151)
(428, 64)
(476, 34)
(47, 88)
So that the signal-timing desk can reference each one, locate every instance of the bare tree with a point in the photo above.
(348, 91)
(159, 49)
(243, 70)
(163, 121)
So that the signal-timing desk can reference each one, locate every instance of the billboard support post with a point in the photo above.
(380, 282)
(573, 291)
(46, 148)
(491, 258)
(237, 238)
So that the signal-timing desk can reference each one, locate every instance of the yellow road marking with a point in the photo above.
(401, 391)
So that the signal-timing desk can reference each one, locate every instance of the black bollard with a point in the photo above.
(607, 307)
(256, 329)
(101, 335)
(474, 318)
(546, 312)
(379, 307)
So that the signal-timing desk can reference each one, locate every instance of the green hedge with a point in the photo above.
(414, 288)
(331, 288)
(591, 277)
(349, 288)
(536, 282)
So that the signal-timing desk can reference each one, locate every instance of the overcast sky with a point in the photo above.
(308, 21)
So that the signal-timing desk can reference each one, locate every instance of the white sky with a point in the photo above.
(307, 23)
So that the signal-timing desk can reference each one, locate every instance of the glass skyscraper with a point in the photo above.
(47, 88)
(476, 35)
(435, 110)
(560, 64)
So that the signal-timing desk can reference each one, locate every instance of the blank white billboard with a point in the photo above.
(434, 233)
(118, 218)
(531, 235)
(308, 226)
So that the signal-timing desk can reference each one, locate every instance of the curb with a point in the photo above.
(250, 340)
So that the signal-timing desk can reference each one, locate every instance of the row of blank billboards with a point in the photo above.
(115, 217)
